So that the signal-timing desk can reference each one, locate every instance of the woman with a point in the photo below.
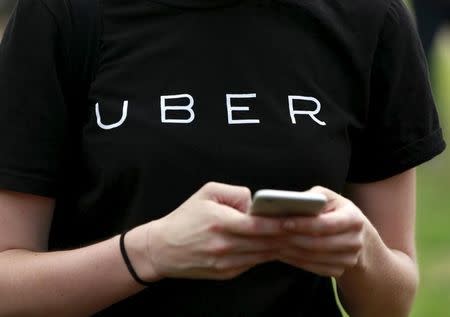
(237, 95)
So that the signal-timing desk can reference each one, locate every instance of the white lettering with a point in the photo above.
(305, 112)
(230, 109)
(114, 125)
(188, 108)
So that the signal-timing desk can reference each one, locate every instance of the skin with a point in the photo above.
(371, 253)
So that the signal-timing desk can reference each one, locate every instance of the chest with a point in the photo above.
(238, 94)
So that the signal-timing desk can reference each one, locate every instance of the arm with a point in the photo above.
(38, 283)
(208, 237)
(366, 242)
(384, 281)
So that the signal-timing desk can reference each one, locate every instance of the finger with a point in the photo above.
(330, 259)
(325, 270)
(237, 262)
(334, 200)
(319, 269)
(330, 223)
(346, 242)
(235, 222)
(256, 245)
(228, 274)
(237, 197)
(234, 244)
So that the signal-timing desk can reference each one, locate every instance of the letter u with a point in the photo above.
(114, 125)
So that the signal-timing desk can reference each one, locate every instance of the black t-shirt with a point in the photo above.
(281, 94)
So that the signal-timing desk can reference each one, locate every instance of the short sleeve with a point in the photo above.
(402, 129)
(32, 109)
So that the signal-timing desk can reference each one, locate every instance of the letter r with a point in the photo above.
(311, 113)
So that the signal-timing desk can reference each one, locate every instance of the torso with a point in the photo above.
(303, 73)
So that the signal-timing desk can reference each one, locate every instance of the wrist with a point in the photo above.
(138, 244)
(372, 246)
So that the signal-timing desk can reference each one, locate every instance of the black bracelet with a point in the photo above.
(128, 262)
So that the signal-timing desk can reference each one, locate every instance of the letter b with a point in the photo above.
(188, 108)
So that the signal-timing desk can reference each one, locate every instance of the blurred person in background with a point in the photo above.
(336, 95)
(431, 15)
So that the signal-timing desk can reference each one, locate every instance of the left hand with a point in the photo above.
(330, 243)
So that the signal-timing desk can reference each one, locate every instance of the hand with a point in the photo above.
(211, 237)
(330, 243)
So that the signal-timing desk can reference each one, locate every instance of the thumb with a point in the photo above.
(334, 200)
(237, 197)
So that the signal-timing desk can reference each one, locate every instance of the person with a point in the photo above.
(431, 16)
(194, 105)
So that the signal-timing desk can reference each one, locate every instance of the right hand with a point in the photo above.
(211, 236)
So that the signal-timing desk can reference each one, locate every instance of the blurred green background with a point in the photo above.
(433, 212)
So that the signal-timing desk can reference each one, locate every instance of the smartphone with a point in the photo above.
(281, 203)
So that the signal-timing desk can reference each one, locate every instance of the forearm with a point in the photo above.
(68, 283)
(384, 283)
